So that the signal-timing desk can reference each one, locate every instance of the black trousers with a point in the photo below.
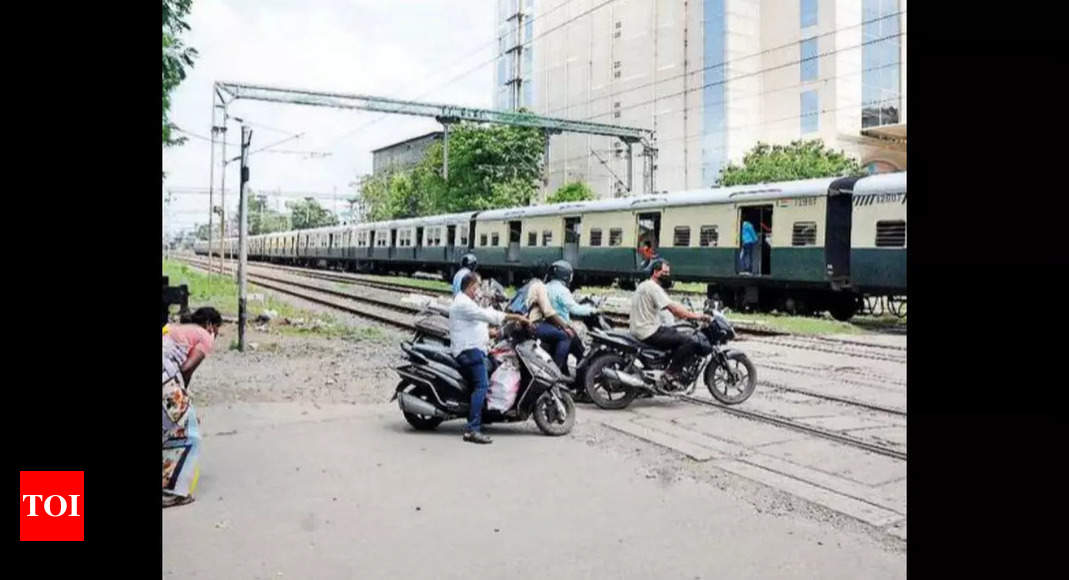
(682, 346)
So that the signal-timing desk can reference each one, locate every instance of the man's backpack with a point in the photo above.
(518, 304)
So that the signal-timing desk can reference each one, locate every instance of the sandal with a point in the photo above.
(176, 500)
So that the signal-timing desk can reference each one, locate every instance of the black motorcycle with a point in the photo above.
(621, 368)
(432, 323)
(433, 390)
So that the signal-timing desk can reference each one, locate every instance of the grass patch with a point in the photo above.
(412, 282)
(221, 292)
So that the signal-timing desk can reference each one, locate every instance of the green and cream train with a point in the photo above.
(824, 244)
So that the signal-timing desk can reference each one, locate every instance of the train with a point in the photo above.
(825, 244)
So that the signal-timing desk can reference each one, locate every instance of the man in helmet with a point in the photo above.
(559, 278)
(468, 263)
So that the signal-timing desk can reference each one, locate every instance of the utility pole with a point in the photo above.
(222, 196)
(243, 237)
(211, 186)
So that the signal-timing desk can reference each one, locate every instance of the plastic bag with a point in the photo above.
(504, 386)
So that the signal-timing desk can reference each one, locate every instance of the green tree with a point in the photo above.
(799, 160)
(490, 166)
(575, 191)
(307, 213)
(177, 57)
(262, 219)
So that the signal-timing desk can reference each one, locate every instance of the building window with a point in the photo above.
(595, 237)
(808, 49)
(494, 239)
(709, 236)
(809, 13)
(810, 112)
(547, 237)
(616, 236)
(891, 234)
(681, 239)
(482, 239)
(880, 63)
(804, 234)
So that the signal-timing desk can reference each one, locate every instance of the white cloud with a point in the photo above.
(395, 48)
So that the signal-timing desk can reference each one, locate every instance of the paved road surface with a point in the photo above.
(346, 491)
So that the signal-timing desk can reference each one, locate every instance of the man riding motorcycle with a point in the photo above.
(563, 339)
(468, 263)
(646, 324)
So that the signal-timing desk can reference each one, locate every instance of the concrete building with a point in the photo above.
(710, 77)
(403, 154)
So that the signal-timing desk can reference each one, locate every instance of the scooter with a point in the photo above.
(433, 390)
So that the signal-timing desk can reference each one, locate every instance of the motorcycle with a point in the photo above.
(432, 323)
(433, 390)
(621, 368)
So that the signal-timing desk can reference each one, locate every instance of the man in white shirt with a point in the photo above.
(646, 324)
(469, 336)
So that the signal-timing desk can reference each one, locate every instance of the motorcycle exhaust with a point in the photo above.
(417, 406)
(625, 378)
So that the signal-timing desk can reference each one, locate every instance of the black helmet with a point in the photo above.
(560, 270)
(469, 261)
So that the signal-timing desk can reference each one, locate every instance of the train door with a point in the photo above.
(513, 254)
(419, 243)
(572, 230)
(371, 243)
(451, 243)
(392, 252)
(471, 236)
(757, 259)
(649, 230)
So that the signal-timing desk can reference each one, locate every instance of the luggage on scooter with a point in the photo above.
(504, 385)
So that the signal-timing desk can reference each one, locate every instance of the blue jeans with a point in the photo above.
(747, 257)
(556, 341)
(473, 368)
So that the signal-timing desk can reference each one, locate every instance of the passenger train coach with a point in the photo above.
(825, 244)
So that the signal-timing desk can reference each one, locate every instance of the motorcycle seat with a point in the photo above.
(437, 353)
(625, 339)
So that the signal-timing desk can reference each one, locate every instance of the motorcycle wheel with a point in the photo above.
(548, 417)
(598, 388)
(720, 384)
(419, 422)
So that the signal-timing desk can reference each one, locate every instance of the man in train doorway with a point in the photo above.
(649, 255)
(749, 242)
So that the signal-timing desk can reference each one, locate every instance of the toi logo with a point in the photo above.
(51, 506)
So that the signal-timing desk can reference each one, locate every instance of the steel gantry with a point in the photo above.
(224, 93)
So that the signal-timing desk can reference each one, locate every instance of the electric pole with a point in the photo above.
(243, 238)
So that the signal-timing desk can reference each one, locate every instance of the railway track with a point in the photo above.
(380, 310)
(386, 311)
(802, 427)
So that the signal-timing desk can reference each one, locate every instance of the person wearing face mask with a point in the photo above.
(185, 346)
(646, 325)
(469, 338)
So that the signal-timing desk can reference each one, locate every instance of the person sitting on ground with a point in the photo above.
(468, 263)
(185, 346)
(469, 338)
(646, 325)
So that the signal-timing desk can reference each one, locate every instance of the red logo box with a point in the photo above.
(52, 506)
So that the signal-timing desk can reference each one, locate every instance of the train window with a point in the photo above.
(804, 234)
(532, 238)
(547, 237)
(616, 236)
(438, 236)
(494, 239)
(463, 237)
(891, 234)
(709, 236)
(482, 239)
(595, 237)
(682, 237)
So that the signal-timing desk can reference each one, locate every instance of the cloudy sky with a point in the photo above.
(395, 48)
